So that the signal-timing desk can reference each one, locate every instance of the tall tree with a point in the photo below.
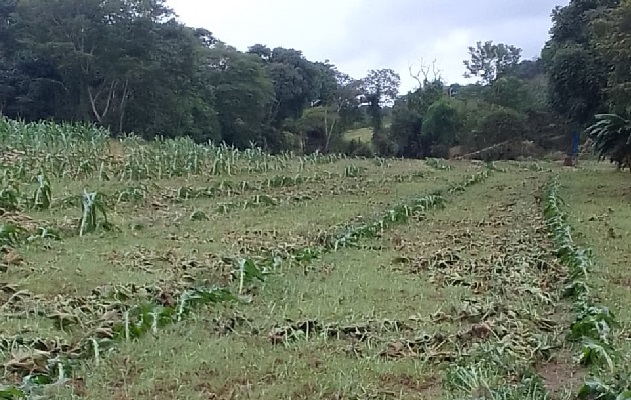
(339, 99)
(576, 75)
(380, 87)
(130, 66)
(611, 132)
(410, 114)
(441, 124)
(243, 93)
(612, 37)
(512, 92)
(576, 81)
(95, 47)
(489, 61)
(296, 81)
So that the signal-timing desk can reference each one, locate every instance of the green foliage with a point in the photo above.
(441, 123)
(437, 164)
(618, 388)
(130, 66)
(576, 75)
(10, 197)
(353, 171)
(501, 124)
(483, 380)
(380, 88)
(576, 83)
(76, 152)
(318, 128)
(356, 148)
(243, 93)
(571, 23)
(405, 129)
(11, 234)
(422, 119)
(296, 81)
(611, 39)
(517, 94)
(611, 136)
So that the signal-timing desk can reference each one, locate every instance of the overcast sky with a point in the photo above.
(358, 35)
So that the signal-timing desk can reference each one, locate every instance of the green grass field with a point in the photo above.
(326, 278)
(363, 135)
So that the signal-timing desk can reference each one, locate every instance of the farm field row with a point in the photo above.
(56, 291)
(459, 295)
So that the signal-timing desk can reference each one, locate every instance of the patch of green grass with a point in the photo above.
(598, 205)
(348, 286)
(196, 365)
(363, 135)
(370, 305)
(78, 264)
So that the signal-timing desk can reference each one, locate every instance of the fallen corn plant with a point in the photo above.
(512, 300)
(593, 323)
(397, 215)
(54, 369)
(148, 317)
(471, 180)
(400, 214)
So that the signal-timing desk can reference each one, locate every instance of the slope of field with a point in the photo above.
(192, 273)
(598, 201)
(363, 135)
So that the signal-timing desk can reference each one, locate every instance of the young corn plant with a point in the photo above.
(594, 323)
(42, 197)
(93, 213)
(353, 171)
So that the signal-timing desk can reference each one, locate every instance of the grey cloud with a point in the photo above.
(468, 14)
(404, 26)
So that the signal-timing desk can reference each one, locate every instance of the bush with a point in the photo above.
(356, 148)
(442, 123)
(500, 125)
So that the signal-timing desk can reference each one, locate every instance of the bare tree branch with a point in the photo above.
(425, 70)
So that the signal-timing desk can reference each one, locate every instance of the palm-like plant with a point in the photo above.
(611, 136)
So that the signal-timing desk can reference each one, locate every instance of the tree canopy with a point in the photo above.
(132, 67)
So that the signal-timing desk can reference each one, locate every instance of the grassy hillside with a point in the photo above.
(363, 135)
(225, 274)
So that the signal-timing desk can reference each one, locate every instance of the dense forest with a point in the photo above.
(130, 66)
